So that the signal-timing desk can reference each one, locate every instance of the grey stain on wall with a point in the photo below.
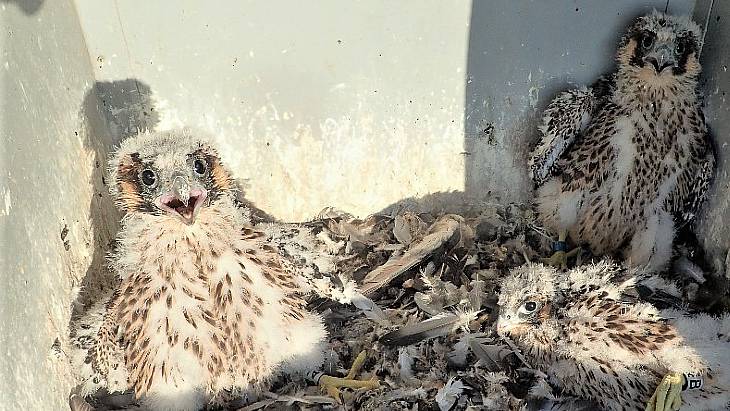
(713, 225)
(28, 7)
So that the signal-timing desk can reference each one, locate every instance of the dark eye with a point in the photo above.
(679, 48)
(199, 167)
(149, 177)
(647, 41)
(528, 307)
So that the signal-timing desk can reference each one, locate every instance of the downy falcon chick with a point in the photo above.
(205, 305)
(623, 164)
(580, 328)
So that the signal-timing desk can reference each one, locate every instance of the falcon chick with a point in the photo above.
(205, 306)
(576, 328)
(622, 165)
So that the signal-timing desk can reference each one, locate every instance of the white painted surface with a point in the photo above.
(47, 183)
(355, 105)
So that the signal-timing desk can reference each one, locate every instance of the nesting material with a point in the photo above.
(418, 293)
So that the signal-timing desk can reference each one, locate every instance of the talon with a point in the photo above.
(332, 384)
(668, 395)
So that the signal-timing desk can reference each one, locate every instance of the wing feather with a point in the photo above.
(693, 185)
(635, 328)
(565, 118)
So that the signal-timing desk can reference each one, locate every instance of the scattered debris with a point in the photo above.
(418, 292)
(449, 394)
(438, 326)
(288, 401)
(444, 235)
(683, 266)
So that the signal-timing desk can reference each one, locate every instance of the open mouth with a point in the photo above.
(178, 208)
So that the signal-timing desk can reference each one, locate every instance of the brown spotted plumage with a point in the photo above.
(205, 306)
(621, 165)
(578, 328)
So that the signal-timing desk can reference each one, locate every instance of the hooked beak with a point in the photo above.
(661, 58)
(182, 202)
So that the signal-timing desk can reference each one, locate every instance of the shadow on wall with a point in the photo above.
(29, 7)
(126, 106)
(715, 84)
(515, 69)
(110, 112)
(513, 72)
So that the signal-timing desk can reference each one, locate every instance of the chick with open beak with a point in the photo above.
(206, 307)
(182, 201)
(171, 181)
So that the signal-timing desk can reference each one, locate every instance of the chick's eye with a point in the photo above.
(528, 307)
(199, 167)
(149, 177)
(647, 41)
(679, 48)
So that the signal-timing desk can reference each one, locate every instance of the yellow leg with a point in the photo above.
(333, 384)
(668, 395)
(560, 257)
(356, 365)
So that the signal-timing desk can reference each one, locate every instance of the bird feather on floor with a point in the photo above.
(429, 331)
(452, 312)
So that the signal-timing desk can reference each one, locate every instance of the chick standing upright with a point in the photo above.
(623, 164)
(205, 305)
